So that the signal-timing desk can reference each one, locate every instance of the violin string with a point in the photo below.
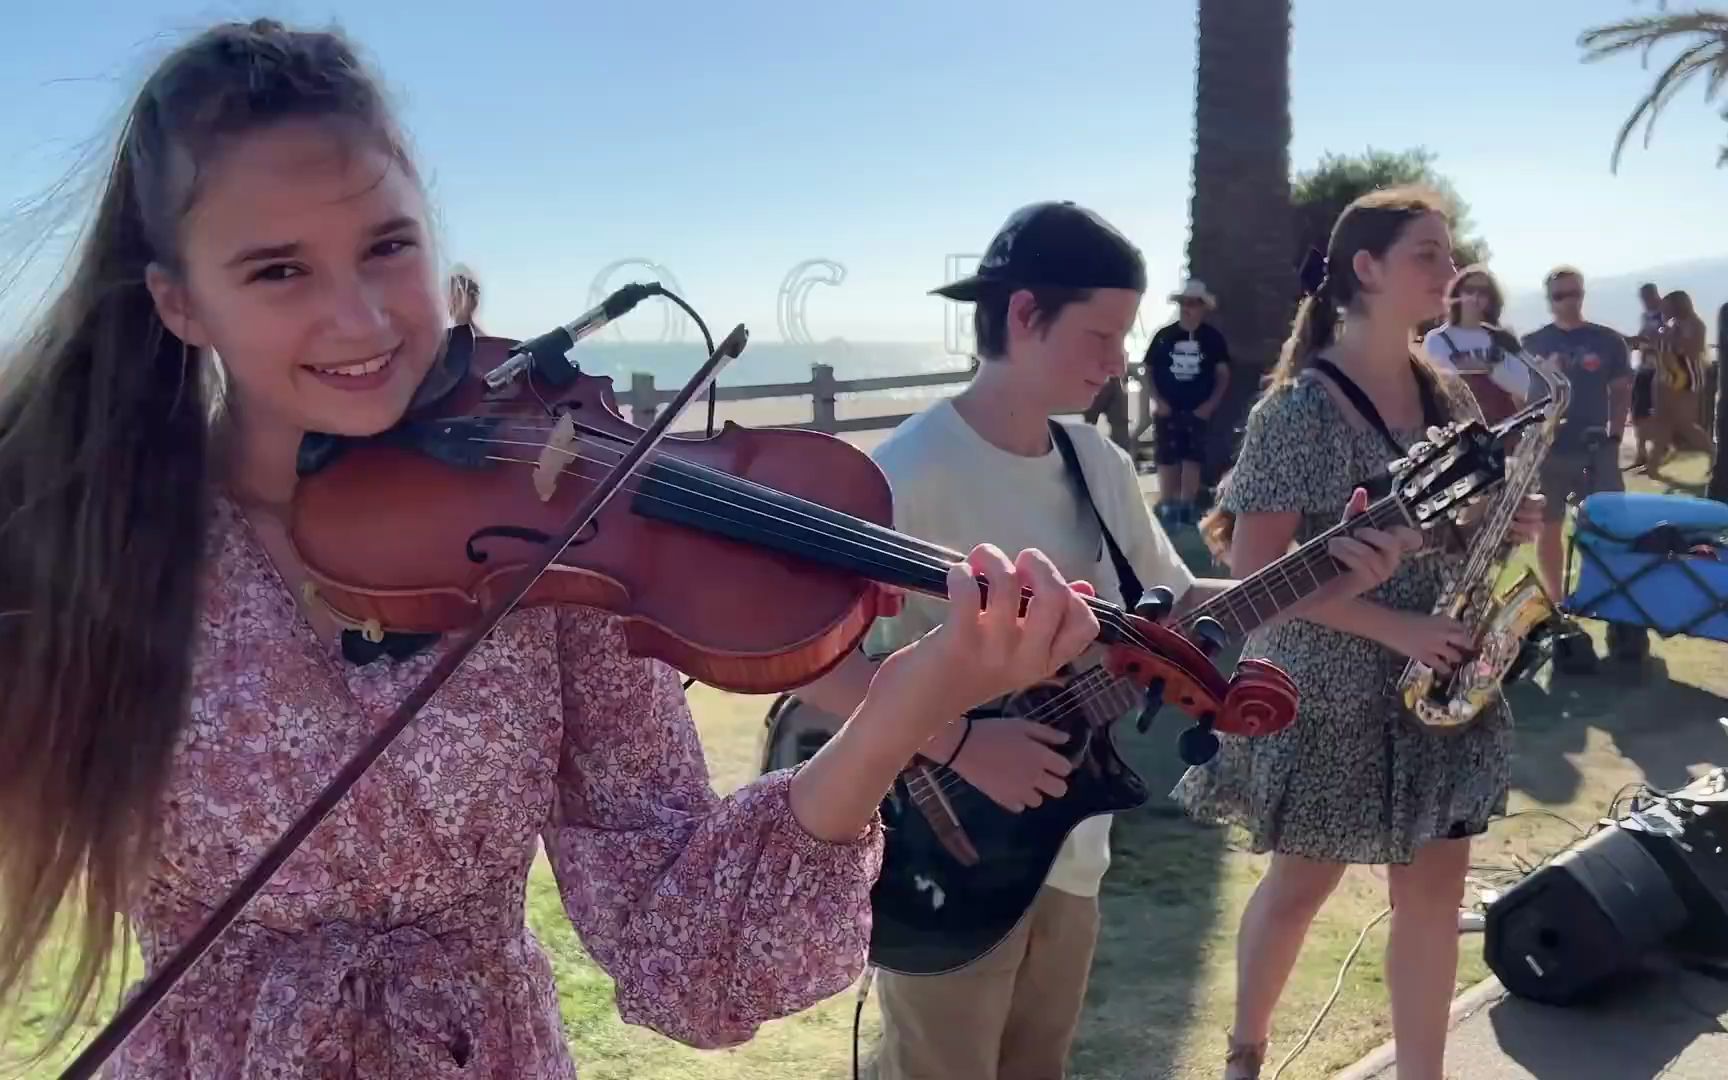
(873, 554)
(1057, 707)
(542, 429)
(893, 545)
(912, 546)
(770, 497)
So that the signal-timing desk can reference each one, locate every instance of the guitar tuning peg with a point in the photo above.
(1155, 604)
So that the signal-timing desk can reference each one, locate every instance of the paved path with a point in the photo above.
(1669, 1024)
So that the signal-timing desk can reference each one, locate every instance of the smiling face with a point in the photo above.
(307, 266)
(1408, 284)
(1069, 358)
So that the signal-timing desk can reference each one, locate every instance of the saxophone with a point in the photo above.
(1499, 618)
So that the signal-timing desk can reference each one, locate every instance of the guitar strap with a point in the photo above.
(1126, 578)
(1432, 416)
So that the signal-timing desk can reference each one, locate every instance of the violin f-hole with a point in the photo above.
(524, 534)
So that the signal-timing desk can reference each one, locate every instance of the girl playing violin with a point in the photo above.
(171, 703)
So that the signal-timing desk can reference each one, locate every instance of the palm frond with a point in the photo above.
(1705, 34)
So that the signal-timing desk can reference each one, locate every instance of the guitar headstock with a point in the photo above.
(1458, 463)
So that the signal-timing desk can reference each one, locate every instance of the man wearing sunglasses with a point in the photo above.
(1585, 457)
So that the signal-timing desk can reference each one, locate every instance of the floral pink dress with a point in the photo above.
(393, 943)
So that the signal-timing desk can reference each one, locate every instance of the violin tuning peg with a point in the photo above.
(1210, 635)
(1155, 604)
(1198, 744)
(1149, 708)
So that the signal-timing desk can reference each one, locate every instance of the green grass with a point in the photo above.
(1160, 997)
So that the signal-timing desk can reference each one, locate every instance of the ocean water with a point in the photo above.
(672, 363)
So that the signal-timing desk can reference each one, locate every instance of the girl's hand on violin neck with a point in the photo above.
(985, 648)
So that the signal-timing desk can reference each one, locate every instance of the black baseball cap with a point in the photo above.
(1054, 244)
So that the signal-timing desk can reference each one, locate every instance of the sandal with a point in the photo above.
(1244, 1060)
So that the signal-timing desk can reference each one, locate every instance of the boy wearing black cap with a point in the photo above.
(1055, 297)
(1056, 294)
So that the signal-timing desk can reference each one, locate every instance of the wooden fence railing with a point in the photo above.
(823, 389)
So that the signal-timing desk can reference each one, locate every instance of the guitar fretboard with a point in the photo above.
(1283, 582)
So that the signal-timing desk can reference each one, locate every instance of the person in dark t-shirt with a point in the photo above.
(1187, 371)
(1585, 456)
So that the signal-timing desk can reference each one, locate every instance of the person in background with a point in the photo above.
(1472, 344)
(1644, 379)
(1111, 402)
(464, 292)
(1680, 344)
(1585, 455)
(1187, 367)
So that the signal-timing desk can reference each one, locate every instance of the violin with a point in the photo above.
(753, 560)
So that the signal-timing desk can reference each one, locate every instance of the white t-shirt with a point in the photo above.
(954, 488)
(1468, 350)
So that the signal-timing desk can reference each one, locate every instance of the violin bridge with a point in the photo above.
(555, 456)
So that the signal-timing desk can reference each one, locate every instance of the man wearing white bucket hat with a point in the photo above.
(1187, 371)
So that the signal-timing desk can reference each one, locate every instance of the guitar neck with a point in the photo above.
(1281, 583)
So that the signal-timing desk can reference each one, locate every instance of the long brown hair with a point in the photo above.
(104, 493)
(1681, 301)
(1372, 223)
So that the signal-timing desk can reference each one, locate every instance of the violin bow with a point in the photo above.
(156, 987)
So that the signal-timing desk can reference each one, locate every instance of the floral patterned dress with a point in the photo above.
(393, 942)
(1354, 779)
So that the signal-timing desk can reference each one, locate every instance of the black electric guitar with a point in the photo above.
(959, 872)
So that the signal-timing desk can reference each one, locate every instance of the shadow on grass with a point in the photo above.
(1159, 908)
(1656, 715)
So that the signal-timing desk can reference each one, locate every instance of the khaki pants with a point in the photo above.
(1010, 1015)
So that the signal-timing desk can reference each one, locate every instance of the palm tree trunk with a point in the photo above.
(1718, 488)
(1241, 221)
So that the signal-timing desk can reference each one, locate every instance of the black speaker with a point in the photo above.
(1655, 881)
(1596, 910)
(1686, 832)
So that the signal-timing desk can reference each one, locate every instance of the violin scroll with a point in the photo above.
(1258, 699)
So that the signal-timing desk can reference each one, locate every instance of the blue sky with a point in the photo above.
(730, 141)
